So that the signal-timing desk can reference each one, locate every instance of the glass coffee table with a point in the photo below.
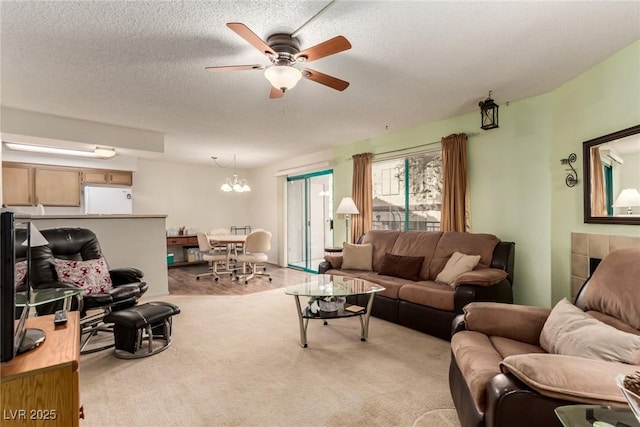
(596, 416)
(325, 286)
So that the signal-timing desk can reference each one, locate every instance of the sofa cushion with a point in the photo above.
(570, 331)
(418, 243)
(478, 361)
(508, 347)
(382, 242)
(356, 257)
(572, 378)
(466, 243)
(613, 287)
(612, 321)
(429, 293)
(405, 267)
(457, 265)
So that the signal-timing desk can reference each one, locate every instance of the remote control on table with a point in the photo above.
(60, 317)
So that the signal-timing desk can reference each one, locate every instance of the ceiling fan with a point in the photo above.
(283, 50)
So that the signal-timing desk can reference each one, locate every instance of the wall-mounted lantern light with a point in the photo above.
(488, 113)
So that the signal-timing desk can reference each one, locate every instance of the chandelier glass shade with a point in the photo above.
(239, 185)
(283, 77)
(235, 184)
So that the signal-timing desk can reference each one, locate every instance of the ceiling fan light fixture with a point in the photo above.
(283, 77)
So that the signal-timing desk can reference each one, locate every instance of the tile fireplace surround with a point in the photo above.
(586, 245)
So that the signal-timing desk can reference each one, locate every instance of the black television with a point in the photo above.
(14, 337)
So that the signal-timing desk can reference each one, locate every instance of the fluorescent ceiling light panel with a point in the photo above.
(98, 152)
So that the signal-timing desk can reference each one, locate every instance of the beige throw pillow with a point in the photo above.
(357, 257)
(457, 265)
(570, 331)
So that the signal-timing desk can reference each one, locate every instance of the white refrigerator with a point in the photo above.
(108, 200)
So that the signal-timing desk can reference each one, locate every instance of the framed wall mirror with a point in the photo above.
(611, 165)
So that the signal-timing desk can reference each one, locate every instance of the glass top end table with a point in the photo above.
(44, 296)
(330, 287)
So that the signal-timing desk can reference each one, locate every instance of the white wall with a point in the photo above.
(269, 195)
(190, 195)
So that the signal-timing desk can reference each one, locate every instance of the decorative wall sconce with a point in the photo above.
(572, 177)
(488, 113)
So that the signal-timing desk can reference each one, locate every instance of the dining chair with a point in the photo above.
(254, 257)
(215, 258)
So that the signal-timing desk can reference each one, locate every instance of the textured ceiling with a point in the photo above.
(141, 64)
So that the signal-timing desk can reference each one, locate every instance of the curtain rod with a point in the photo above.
(469, 135)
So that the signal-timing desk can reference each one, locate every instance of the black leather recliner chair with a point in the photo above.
(80, 244)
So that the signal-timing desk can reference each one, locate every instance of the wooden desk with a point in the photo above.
(41, 387)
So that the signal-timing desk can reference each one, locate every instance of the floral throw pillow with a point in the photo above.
(92, 275)
(20, 273)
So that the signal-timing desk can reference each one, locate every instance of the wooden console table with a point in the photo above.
(41, 387)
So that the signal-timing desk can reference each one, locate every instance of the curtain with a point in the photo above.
(455, 194)
(362, 193)
(598, 201)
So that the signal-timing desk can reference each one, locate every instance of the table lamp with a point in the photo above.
(347, 207)
(628, 197)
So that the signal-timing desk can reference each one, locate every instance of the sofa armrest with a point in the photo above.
(458, 324)
(481, 277)
(503, 258)
(518, 322)
(125, 275)
(324, 266)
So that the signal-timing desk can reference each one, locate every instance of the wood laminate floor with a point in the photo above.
(182, 281)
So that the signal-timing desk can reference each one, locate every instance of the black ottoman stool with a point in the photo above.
(142, 322)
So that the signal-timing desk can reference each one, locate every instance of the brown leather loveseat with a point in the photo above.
(501, 374)
(420, 302)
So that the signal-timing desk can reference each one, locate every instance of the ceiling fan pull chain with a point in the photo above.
(296, 32)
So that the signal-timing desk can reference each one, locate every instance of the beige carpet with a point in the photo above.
(237, 361)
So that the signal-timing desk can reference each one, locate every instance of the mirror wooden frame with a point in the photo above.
(586, 156)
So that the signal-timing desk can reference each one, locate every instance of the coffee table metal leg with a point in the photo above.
(365, 324)
(303, 324)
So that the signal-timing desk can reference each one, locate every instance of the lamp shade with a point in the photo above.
(628, 197)
(37, 239)
(347, 206)
(283, 77)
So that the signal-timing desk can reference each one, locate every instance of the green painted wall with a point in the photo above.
(600, 101)
(516, 180)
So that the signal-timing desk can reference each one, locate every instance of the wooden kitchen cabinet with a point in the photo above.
(17, 184)
(41, 387)
(105, 176)
(57, 186)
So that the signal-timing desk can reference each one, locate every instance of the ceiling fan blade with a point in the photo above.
(276, 93)
(329, 47)
(235, 68)
(325, 79)
(244, 32)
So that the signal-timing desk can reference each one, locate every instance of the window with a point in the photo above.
(407, 192)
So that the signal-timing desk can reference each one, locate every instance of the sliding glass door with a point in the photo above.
(309, 219)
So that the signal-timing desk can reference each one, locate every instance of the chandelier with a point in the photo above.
(239, 185)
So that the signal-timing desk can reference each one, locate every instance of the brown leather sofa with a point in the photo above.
(426, 305)
(501, 376)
